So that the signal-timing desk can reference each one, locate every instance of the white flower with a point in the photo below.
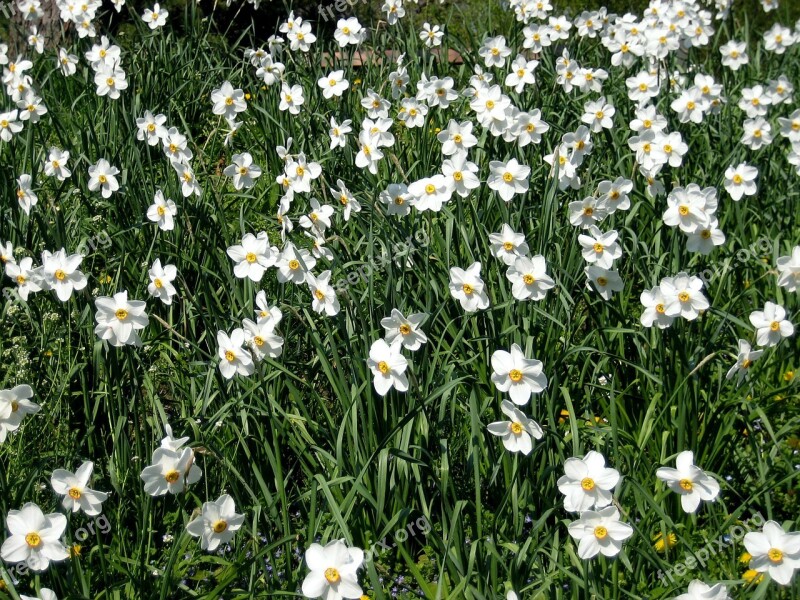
(217, 524)
(346, 199)
(456, 137)
(587, 482)
(110, 80)
(60, 272)
(151, 128)
(692, 483)
(655, 309)
(294, 264)
(228, 102)
(323, 295)
(102, 176)
(155, 18)
(35, 538)
(789, 269)
(744, 361)
(56, 164)
(74, 488)
(14, 407)
(771, 324)
(25, 276)
(600, 248)
(162, 212)
(44, 594)
(494, 51)
(9, 125)
(430, 193)
(338, 133)
(265, 312)
(388, 367)
(333, 571)
(774, 551)
(432, 36)
(291, 98)
(171, 471)
(262, 338)
(741, 181)
(508, 245)
(333, 85)
(118, 319)
(253, 256)
(701, 591)
(683, 296)
(599, 532)
(529, 278)
(406, 329)
(468, 288)
(519, 432)
(161, 279)
(233, 357)
(519, 376)
(508, 179)
(243, 171)
(604, 281)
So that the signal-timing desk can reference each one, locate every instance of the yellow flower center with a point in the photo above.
(60, 275)
(683, 210)
(230, 356)
(294, 264)
(20, 279)
(495, 51)
(587, 483)
(383, 367)
(250, 257)
(515, 375)
(516, 428)
(600, 532)
(705, 234)
(300, 171)
(430, 188)
(588, 211)
(158, 283)
(667, 148)
(457, 138)
(102, 179)
(490, 104)
(508, 177)
(33, 540)
(151, 127)
(746, 363)
(160, 210)
(683, 296)
(219, 526)
(319, 294)
(686, 484)
(258, 341)
(172, 476)
(74, 493)
(775, 555)
(602, 281)
(332, 575)
(468, 289)
(399, 200)
(528, 278)
(228, 101)
(598, 248)
(458, 176)
(660, 308)
(642, 87)
(121, 314)
(405, 328)
(110, 82)
(690, 105)
(775, 326)
(737, 179)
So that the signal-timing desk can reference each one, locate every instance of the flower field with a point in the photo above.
(379, 308)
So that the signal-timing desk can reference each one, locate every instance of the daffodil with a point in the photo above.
(217, 524)
(518, 433)
(74, 488)
(692, 483)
